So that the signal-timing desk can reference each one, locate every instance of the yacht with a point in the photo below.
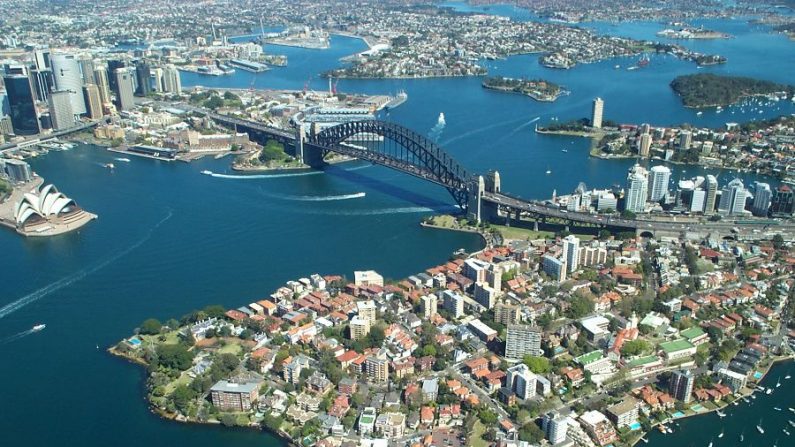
(39, 327)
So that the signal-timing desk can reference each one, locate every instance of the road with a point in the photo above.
(545, 209)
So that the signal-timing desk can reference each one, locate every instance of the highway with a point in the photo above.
(40, 138)
(544, 209)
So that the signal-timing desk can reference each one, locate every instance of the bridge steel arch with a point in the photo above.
(410, 152)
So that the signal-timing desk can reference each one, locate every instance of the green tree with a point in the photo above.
(531, 433)
(580, 307)
(537, 364)
(635, 347)
(174, 356)
(182, 396)
(150, 326)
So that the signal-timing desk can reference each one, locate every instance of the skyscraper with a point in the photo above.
(637, 187)
(681, 386)
(711, 187)
(571, 250)
(783, 204)
(158, 80)
(555, 427)
(522, 340)
(171, 80)
(87, 69)
(684, 140)
(124, 89)
(762, 198)
(144, 75)
(93, 101)
(42, 82)
(41, 58)
(66, 72)
(429, 306)
(114, 65)
(61, 113)
(22, 105)
(733, 198)
(658, 179)
(101, 76)
(645, 145)
(596, 113)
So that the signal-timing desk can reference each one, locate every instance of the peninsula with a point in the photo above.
(485, 345)
(538, 89)
(711, 90)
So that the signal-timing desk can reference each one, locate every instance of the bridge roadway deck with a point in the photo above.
(543, 209)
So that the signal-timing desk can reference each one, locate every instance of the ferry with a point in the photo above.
(206, 172)
(39, 327)
(399, 99)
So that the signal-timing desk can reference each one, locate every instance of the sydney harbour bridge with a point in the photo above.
(479, 196)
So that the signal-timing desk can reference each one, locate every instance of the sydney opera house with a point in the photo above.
(46, 212)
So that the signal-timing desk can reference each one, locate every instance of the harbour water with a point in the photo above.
(699, 431)
(169, 239)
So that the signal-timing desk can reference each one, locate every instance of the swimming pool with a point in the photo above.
(634, 426)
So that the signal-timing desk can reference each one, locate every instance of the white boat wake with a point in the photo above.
(34, 296)
(16, 336)
(438, 128)
(478, 130)
(382, 211)
(357, 195)
(262, 176)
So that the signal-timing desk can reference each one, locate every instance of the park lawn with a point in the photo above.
(444, 220)
(184, 379)
(230, 348)
(477, 435)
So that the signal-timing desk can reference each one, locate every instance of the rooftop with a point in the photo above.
(676, 345)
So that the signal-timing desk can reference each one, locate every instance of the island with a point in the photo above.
(692, 33)
(711, 90)
(538, 89)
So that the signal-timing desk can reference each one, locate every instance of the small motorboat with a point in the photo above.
(39, 327)
(110, 166)
(206, 172)
(769, 391)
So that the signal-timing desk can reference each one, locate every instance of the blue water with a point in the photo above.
(169, 239)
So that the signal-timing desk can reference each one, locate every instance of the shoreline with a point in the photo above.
(165, 415)
(767, 369)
